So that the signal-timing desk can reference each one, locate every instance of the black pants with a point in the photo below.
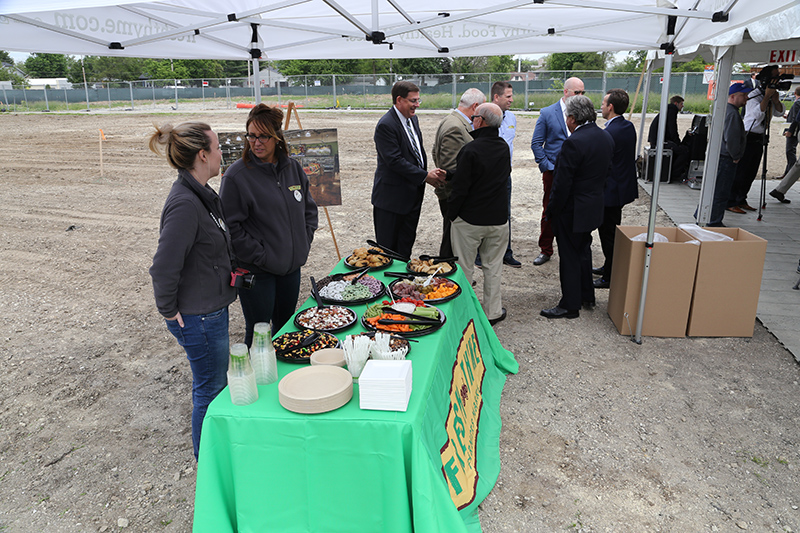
(395, 231)
(612, 217)
(746, 170)
(574, 264)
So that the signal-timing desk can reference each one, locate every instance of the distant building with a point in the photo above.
(270, 78)
(54, 83)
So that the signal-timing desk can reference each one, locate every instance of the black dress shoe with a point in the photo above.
(589, 306)
(502, 317)
(601, 283)
(779, 196)
(559, 312)
(599, 271)
(541, 259)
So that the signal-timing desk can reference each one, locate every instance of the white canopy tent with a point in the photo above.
(337, 29)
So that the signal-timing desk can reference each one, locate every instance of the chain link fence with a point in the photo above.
(532, 91)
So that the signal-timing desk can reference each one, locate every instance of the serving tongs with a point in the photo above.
(401, 275)
(315, 293)
(438, 258)
(360, 275)
(305, 343)
(387, 251)
(415, 319)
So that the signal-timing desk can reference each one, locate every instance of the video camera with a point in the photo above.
(781, 82)
(242, 279)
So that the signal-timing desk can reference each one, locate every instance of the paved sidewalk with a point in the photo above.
(778, 304)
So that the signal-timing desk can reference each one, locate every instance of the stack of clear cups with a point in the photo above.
(262, 354)
(241, 377)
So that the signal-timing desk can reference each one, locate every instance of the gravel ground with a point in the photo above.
(600, 434)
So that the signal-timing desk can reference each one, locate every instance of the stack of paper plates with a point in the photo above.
(385, 385)
(315, 389)
(328, 356)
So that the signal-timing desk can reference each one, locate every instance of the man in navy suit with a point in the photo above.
(621, 188)
(576, 204)
(401, 174)
(548, 135)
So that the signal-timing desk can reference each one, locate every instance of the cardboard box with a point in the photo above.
(670, 283)
(727, 285)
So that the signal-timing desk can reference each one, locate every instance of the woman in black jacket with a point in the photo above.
(272, 219)
(192, 266)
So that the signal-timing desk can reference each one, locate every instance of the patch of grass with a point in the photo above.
(760, 461)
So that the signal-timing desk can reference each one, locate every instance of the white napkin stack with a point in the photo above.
(385, 385)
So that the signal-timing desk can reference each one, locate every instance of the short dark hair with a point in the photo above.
(402, 88)
(764, 74)
(677, 99)
(618, 99)
(499, 87)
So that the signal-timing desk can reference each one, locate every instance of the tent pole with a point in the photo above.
(651, 226)
(645, 98)
(722, 73)
(255, 53)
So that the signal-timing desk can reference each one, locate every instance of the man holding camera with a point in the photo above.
(762, 100)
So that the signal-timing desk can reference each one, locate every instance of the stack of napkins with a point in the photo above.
(385, 385)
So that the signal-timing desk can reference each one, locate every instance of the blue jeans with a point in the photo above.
(205, 339)
(272, 298)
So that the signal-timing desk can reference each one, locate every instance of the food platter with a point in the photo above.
(428, 267)
(329, 318)
(283, 345)
(330, 285)
(416, 331)
(361, 258)
(415, 290)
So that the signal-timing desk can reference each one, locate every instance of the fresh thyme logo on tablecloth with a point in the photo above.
(459, 454)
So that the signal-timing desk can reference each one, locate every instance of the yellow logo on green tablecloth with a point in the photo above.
(459, 454)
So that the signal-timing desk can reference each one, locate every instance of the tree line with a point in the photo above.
(100, 68)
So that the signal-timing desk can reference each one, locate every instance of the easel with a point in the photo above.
(291, 107)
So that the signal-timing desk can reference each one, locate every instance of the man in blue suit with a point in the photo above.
(576, 205)
(401, 174)
(548, 135)
(621, 188)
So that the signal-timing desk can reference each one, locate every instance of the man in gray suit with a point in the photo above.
(453, 133)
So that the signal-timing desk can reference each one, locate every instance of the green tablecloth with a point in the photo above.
(265, 469)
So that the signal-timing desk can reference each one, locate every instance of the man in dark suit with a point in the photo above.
(621, 188)
(576, 204)
(672, 138)
(401, 174)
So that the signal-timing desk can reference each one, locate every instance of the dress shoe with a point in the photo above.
(601, 283)
(510, 261)
(478, 262)
(735, 210)
(747, 207)
(502, 317)
(541, 259)
(779, 196)
(599, 271)
(559, 312)
(589, 306)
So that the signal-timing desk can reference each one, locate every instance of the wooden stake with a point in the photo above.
(102, 138)
(289, 108)
(638, 86)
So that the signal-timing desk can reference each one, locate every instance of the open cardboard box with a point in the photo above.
(670, 283)
(727, 285)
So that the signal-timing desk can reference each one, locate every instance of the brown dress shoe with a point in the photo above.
(736, 210)
(747, 207)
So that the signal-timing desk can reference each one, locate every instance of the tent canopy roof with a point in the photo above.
(311, 29)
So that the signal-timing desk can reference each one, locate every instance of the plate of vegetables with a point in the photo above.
(406, 317)
(439, 290)
(339, 289)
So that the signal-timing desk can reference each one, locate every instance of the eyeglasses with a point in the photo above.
(473, 117)
(578, 92)
(414, 100)
(253, 138)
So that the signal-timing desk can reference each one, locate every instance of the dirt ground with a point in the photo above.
(600, 434)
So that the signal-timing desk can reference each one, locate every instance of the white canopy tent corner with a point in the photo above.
(344, 29)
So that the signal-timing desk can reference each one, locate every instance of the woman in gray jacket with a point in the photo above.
(272, 219)
(192, 266)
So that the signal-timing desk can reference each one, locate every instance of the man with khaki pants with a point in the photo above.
(478, 205)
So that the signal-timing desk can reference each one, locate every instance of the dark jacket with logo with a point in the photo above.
(271, 215)
(192, 268)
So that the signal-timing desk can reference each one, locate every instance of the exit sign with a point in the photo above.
(783, 56)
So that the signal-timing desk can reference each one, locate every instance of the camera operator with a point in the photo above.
(764, 98)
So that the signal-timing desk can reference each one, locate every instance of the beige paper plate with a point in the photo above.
(315, 389)
(328, 356)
